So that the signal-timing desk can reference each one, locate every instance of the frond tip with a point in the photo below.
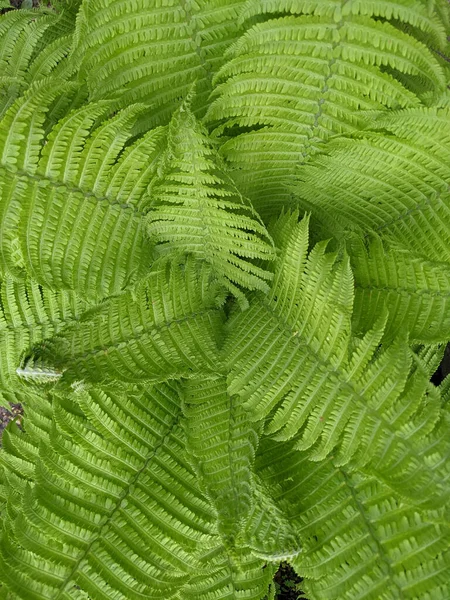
(197, 209)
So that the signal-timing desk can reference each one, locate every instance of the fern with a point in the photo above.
(155, 52)
(196, 209)
(294, 81)
(170, 330)
(361, 540)
(29, 313)
(224, 290)
(98, 177)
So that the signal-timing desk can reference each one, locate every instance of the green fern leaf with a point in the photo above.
(415, 291)
(399, 173)
(409, 12)
(167, 328)
(20, 452)
(360, 539)
(293, 361)
(33, 45)
(223, 443)
(77, 202)
(155, 52)
(29, 313)
(197, 210)
(128, 527)
(248, 579)
(293, 82)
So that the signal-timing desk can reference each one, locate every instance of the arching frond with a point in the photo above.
(20, 452)
(414, 13)
(415, 291)
(429, 356)
(248, 578)
(270, 532)
(399, 173)
(292, 359)
(33, 45)
(154, 52)
(293, 82)
(167, 328)
(115, 510)
(360, 540)
(223, 443)
(75, 198)
(29, 313)
(196, 209)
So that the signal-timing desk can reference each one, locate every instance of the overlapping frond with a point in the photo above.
(360, 540)
(242, 577)
(20, 452)
(223, 443)
(72, 201)
(168, 327)
(173, 445)
(154, 52)
(399, 173)
(29, 313)
(430, 20)
(293, 81)
(33, 45)
(196, 209)
(415, 291)
(115, 510)
(294, 362)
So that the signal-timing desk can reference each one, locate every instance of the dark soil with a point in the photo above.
(288, 584)
(14, 413)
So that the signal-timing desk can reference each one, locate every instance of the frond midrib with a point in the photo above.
(343, 382)
(40, 178)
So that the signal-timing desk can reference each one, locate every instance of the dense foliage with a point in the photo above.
(224, 289)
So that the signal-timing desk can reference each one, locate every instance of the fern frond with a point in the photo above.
(167, 328)
(399, 173)
(293, 361)
(75, 197)
(429, 356)
(270, 533)
(360, 540)
(33, 45)
(223, 443)
(29, 313)
(293, 82)
(196, 209)
(155, 52)
(414, 13)
(20, 452)
(416, 292)
(115, 510)
(248, 578)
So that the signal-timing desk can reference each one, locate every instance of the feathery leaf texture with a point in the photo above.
(29, 314)
(74, 207)
(154, 51)
(33, 46)
(126, 527)
(304, 374)
(196, 209)
(223, 443)
(224, 289)
(21, 451)
(167, 328)
(294, 81)
(361, 540)
(399, 172)
(415, 291)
